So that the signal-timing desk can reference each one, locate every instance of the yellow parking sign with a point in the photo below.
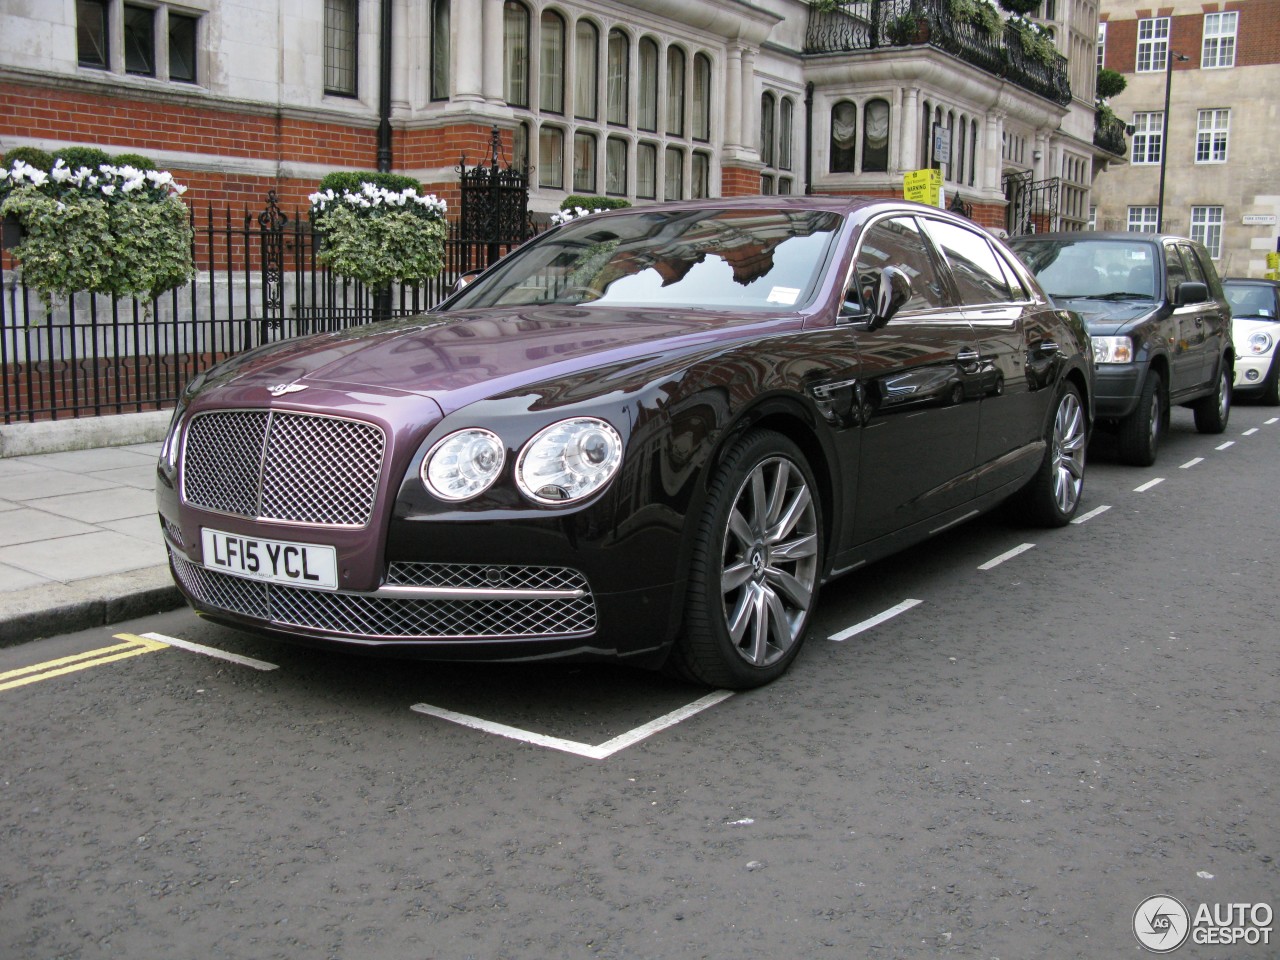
(923, 186)
(1273, 259)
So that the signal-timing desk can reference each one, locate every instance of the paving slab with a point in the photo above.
(95, 554)
(113, 503)
(25, 525)
(51, 483)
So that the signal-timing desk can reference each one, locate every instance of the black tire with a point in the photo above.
(756, 567)
(1213, 411)
(1052, 497)
(1271, 385)
(1138, 439)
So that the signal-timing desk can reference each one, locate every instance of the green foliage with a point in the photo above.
(902, 29)
(980, 13)
(40, 159)
(133, 160)
(587, 202)
(1110, 84)
(395, 245)
(1021, 8)
(351, 180)
(76, 157)
(1035, 40)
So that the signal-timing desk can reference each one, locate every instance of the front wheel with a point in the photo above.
(1139, 436)
(1212, 411)
(757, 557)
(1053, 495)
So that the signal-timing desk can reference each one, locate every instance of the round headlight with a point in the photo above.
(463, 464)
(1260, 342)
(569, 460)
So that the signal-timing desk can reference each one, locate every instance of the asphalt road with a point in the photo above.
(1005, 769)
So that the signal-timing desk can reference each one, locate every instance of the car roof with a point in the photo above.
(1254, 280)
(834, 203)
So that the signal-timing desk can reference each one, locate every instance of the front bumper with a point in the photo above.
(1116, 388)
(1251, 372)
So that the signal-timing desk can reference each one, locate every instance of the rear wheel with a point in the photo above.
(1271, 385)
(1212, 411)
(1139, 436)
(1052, 497)
(757, 556)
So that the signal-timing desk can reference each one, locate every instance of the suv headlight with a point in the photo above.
(1260, 343)
(1112, 349)
(463, 464)
(569, 460)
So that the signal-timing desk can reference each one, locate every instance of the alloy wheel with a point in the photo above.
(1068, 453)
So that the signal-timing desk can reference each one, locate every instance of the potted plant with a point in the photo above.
(116, 230)
(378, 228)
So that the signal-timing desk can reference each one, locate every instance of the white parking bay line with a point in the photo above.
(1007, 555)
(606, 749)
(211, 652)
(1271, 421)
(875, 621)
(1086, 517)
(1250, 432)
(1223, 446)
(1191, 463)
(1148, 485)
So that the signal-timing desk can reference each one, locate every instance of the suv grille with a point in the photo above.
(295, 467)
(396, 618)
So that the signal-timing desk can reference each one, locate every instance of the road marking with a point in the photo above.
(1223, 446)
(1191, 463)
(1148, 485)
(875, 621)
(207, 651)
(132, 647)
(1250, 432)
(1007, 555)
(604, 750)
(1271, 421)
(1085, 518)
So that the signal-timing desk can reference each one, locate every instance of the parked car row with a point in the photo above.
(653, 434)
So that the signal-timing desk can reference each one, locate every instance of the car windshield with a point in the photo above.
(1092, 269)
(764, 260)
(1250, 300)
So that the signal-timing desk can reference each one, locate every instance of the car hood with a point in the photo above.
(464, 356)
(1107, 317)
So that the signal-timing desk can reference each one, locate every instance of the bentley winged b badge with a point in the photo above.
(280, 389)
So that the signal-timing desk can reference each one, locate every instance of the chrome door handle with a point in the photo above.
(968, 355)
(1049, 346)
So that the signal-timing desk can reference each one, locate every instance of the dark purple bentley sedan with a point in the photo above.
(650, 435)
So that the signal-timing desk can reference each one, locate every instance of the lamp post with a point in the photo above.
(1170, 56)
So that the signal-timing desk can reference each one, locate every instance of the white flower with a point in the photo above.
(108, 188)
(180, 189)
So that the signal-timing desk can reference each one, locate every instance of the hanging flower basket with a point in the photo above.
(114, 230)
(377, 236)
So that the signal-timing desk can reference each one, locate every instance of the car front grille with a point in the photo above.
(406, 618)
(270, 465)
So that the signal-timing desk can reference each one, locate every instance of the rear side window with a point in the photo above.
(974, 265)
(897, 242)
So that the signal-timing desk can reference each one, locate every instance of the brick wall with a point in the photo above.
(1257, 34)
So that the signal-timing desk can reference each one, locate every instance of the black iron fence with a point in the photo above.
(257, 281)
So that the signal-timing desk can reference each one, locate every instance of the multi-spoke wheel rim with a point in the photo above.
(1068, 453)
(770, 562)
(1224, 396)
(1157, 419)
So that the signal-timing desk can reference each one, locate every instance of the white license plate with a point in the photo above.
(276, 561)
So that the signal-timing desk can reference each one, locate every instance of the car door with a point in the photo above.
(920, 419)
(1187, 352)
(1212, 321)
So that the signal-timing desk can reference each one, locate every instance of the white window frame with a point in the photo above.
(1218, 47)
(1153, 45)
(1148, 131)
(1143, 219)
(1206, 229)
(1213, 127)
(1102, 44)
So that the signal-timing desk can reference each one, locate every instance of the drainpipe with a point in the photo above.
(808, 139)
(384, 88)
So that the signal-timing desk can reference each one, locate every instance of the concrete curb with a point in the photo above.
(48, 610)
(84, 433)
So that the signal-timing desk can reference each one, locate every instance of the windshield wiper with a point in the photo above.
(1115, 295)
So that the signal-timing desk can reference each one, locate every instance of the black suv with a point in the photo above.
(1160, 325)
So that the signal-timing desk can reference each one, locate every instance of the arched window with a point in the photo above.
(844, 136)
(584, 163)
(647, 95)
(675, 92)
(617, 73)
(587, 43)
(767, 120)
(701, 119)
(551, 63)
(785, 111)
(515, 53)
(440, 50)
(875, 136)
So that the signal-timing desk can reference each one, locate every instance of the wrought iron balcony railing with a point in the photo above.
(853, 25)
(1109, 134)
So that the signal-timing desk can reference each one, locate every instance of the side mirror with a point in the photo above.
(892, 290)
(1190, 291)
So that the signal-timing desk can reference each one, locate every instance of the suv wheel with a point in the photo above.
(1212, 411)
(1139, 436)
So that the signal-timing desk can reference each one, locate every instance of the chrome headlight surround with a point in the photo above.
(1260, 343)
(463, 465)
(1112, 349)
(569, 461)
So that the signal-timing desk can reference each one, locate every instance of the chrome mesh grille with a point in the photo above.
(485, 575)
(283, 466)
(392, 618)
(172, 531)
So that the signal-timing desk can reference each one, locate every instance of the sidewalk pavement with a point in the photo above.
(80, 543)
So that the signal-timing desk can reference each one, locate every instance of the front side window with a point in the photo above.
(617, 74)
(587, 49)
(1143, 219)
(675, 92)
(551, 63)
(1211, 136)
(139, 40)
(340, 35)
(1153, 44)
(1148, 137)
(1218, 49)
(440, 45)
(875, 137)
(897, 243)
(515, 54)
(974, 266)
(1206, 228)
(91, 34)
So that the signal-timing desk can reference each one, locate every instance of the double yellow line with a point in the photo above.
(131, 647)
